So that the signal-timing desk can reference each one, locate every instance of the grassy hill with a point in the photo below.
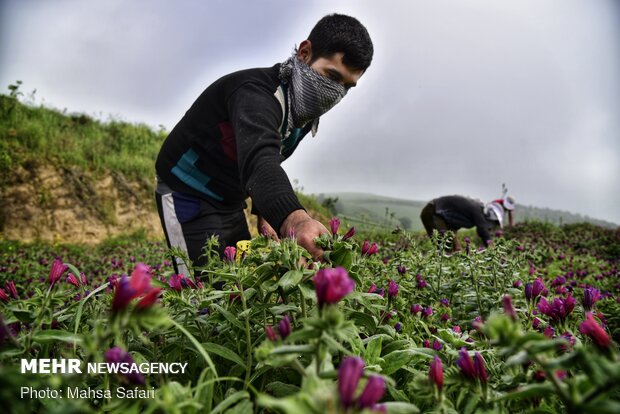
(69, 177)
(373, 212)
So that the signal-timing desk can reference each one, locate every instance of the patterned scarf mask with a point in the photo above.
(310, 93)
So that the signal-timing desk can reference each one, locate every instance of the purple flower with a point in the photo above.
(571, 341)
(3, 295)
(444, 302)
(445, 317)
(401, 269)
(479, 368)
(138, 285)
(466, 364)
(508, 308)
(57, 270)
(435, 372)
(517, 284)
(477, 323)
(558, 281)
(149, 298)
(557, 310)
(528, 291)
(456, 329)
(437, 345)
(538, 287)
(426, 312)
(426, 343)
(117, 355)
(229, 254)
(373, 391)
(421, 282)
(369, 249)
(10, 287)
(123, 294)
(535, 323)
(73, 280)
(416, 308)
(592, 329)
(398, 327)
(349, 234)
(349, 374)
(590, 297)
(270, 333)
(549, 332)
(392, 289)
(175, 282)
(334, 225)
(284, 327)
(332, 285)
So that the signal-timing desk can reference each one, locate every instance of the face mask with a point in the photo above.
(310, 93)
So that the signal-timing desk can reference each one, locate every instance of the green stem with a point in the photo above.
(303, 305)
(248, 337)
(39, 317)
(556, 383)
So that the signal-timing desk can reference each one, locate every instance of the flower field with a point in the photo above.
(388, 323)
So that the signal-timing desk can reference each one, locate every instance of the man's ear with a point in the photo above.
(304, 52)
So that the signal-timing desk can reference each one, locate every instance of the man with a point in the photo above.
(229, 145)
(455, 212)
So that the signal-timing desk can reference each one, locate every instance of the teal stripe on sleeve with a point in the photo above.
(188, 173)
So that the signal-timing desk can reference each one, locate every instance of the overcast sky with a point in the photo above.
(461, 96)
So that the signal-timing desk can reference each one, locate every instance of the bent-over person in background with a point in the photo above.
(455, 212)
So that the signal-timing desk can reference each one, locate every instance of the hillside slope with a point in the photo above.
(71, 178)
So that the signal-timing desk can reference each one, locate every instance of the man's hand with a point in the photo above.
(265, 229)
(306, 229)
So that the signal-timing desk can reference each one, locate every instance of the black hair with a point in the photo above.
(340, 33)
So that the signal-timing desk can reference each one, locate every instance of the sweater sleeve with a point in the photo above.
(255, 116)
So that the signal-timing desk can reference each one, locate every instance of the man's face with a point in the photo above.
(333, 68)
(330, 67)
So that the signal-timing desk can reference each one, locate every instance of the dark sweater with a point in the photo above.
(230, 143)
(464, 212)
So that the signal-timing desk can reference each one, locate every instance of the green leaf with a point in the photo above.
(197, 346)
(230, 401)
(290, 279)
(602, 406)
(394, 407)
(280, 389)
(304, 334)
(229, 317)
(393, 361)
(244, 407)
(23, 315)
(373, 350)
(52, 336)
(529, 391)
(293, 349)
(280, 309)
(224, 352)
(307, 292)
(289, 405)
(365, 320)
